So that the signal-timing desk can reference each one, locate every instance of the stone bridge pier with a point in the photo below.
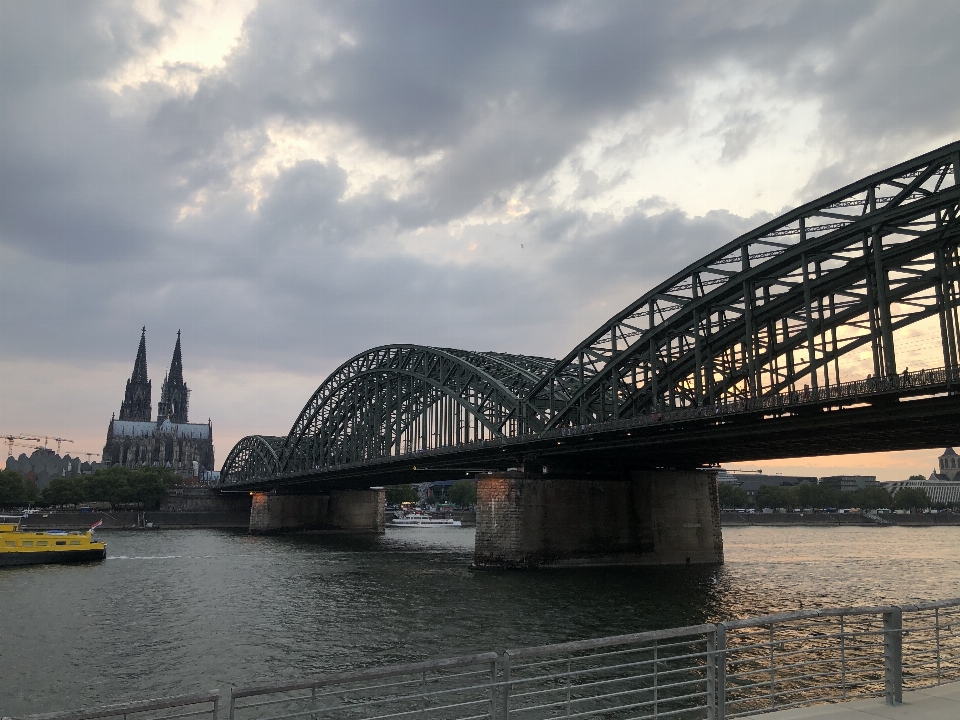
(660, 517)
(338, 511)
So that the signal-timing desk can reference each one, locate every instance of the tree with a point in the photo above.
(733, 496)
(818, 496)
(919, 478)
(397, 494)
(15, 490)
(870, 498)
(65, 491)
(911, 499)
(775, 496)
(463, 493)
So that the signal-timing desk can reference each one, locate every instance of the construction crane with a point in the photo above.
(59, 440)
(89, 455)
(10, 442)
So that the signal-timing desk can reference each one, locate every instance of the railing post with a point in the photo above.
(773, 673)
(712, 676)
(721, 696)
(655, 683)
(231, 701)
(493, 690)
(936, 625)
(216, 704)
(893, 656)
(505, 686)
(843, 660)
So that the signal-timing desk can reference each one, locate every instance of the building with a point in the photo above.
(752, 482)
(849, 483)
(172, 441)
(43, 465)
(941, 487)
(949, 467)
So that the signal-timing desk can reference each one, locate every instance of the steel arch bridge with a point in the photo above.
(784, 311)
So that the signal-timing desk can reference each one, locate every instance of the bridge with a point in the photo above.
(784, 342)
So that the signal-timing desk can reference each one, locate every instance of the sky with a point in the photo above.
(291, 183)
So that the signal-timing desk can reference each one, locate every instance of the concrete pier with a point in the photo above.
(339, 511)
(646, 518)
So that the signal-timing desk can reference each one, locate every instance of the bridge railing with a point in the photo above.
(704, 672)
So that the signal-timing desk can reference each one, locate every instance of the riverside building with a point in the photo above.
(942, 486)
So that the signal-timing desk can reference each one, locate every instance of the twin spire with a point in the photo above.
(174, 395)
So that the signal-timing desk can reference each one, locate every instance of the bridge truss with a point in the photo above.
(811, 299)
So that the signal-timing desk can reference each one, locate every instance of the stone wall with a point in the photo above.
(649, 518)
(201, 499)
(347, 511)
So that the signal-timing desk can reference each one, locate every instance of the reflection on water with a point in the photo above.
(179, 611)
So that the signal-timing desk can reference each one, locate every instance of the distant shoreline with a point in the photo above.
(130, 520)
(735, 519)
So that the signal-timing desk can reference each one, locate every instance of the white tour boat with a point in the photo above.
(416, 519)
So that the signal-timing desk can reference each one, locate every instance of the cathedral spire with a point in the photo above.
(140, 364)
(136, 398)
(176, 365)
(175, 395)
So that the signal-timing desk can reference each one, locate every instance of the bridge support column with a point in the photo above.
(339, 511)
(647, 518)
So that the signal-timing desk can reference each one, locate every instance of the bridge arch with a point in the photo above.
(253, 457)
(777, 308)
(400, 399)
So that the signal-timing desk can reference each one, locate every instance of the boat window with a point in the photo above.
(28, 543)
(74, 542)
(41, 542)
(11, 543)
(61, 542)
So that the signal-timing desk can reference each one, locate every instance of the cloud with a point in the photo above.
(291, 183)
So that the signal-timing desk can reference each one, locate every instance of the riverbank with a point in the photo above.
(734, 519)
(132, 520)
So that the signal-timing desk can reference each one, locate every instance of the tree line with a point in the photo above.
(142, 488)
(462, 493)
(823, 496)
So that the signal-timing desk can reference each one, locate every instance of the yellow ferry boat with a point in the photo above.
(20, 547)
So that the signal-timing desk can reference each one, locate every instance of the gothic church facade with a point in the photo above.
(134, 440)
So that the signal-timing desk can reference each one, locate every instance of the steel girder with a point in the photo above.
(401, 399)
(777, 307)
(253, 457)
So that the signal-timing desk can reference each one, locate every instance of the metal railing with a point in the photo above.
(705, 672)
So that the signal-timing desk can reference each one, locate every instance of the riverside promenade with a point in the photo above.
(941, 702)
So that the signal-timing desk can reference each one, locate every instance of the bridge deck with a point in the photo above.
(936, 703)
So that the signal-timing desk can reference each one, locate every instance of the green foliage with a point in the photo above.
(818, 496)
(15, 490)
(733, 496)
(463, 493)
(871, 498)
(774, 496)
(911, 499)
(397, 494)
(921, 478)
(117, 485)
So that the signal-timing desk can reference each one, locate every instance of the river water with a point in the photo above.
(186, 610)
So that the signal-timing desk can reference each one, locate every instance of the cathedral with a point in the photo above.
(134, 440)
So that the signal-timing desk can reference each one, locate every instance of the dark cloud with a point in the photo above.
(130, 207)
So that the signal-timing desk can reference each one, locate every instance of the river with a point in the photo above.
(179, 611)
